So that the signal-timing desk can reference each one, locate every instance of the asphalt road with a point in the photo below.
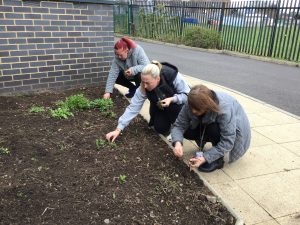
(277, 85)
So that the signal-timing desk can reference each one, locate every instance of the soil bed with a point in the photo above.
(55, 174)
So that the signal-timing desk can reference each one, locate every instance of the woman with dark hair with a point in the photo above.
(127, 65)
(215, 117)
(166, 90)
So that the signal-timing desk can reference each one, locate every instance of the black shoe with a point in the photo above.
(209, 167)
(131, 92)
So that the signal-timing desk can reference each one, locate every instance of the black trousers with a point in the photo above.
(162, 119)
(211, 134)
(122, 80)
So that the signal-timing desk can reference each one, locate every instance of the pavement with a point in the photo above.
(263, 187)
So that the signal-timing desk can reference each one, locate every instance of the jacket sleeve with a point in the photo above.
(142, 60)
(227, 124)
(181, 125)
(182, 89)
(133, 109)
(112, 77)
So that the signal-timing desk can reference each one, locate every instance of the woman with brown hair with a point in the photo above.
(216, 117)
(127, 65)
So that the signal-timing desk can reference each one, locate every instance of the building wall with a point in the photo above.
(54, 44)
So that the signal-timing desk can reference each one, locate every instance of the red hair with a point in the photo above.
(125, 42)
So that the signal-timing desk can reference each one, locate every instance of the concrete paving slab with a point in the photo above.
(278, 193)
(269, 222)
(293, 147)
(262, 160)
(289, 220)
(278, 118)
(281, 133)
(242, 203)
(256, 120)
(259, 140)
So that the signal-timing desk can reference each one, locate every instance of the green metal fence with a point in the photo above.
(266, 28)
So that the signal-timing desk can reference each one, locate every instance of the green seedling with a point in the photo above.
(110, 114)
(114, 195)
(4, 151)
(122, 179)
(100, 143)
(101, 104)
(61, 113)
(74, 102)
(36, 109)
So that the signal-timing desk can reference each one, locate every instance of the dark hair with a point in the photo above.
(125, 42)
(201, 98)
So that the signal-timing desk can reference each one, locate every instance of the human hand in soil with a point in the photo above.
(166, 102)
(178, 149)
(111, 136)
(196, 162)
(106, 95)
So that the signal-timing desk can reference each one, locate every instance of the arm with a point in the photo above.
(133, 109)
(142, 60)
(182, 90)
(227, 124)
(180, 126)
(112, 77)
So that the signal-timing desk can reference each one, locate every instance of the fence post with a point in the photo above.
(182, 18)
(130, 17)
(222, 17)
(273, 34)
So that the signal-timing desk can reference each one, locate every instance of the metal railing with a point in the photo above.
(265, 28)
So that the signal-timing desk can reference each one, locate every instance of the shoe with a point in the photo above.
(209, 167)
(131, 93)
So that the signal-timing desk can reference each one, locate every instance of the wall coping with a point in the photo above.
(105, 2)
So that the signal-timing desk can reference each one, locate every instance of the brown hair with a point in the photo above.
(201, 98)
(125, 42)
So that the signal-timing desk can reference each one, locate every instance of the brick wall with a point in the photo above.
(54, 44)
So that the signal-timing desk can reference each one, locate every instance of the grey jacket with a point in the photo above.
(234, 128)
(140, 97)
(136, 60)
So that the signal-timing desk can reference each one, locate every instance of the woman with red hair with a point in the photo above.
(127, 65)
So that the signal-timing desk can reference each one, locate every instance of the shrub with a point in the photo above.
(202, 37)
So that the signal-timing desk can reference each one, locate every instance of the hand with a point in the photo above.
(111, 136)
(128, 72)
(196, 162)
(166, 102)
(178, 150)
(106, 95)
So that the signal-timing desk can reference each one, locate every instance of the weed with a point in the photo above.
(36, 109)
(114, 195)
(167, 185)
(77, 102)
(122, 179)
(5, 151)
(101, 104)
(100, 143)
(61, 113)
(110, 114)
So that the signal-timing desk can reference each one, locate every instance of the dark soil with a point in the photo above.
(54, 173)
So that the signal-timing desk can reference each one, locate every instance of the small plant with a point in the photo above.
(100, 143)
(110, 114)
(36, 109)
(5, 151)
(114, 195)
(122, 179)
(74, 102)
(101, 104)
(61, 113)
